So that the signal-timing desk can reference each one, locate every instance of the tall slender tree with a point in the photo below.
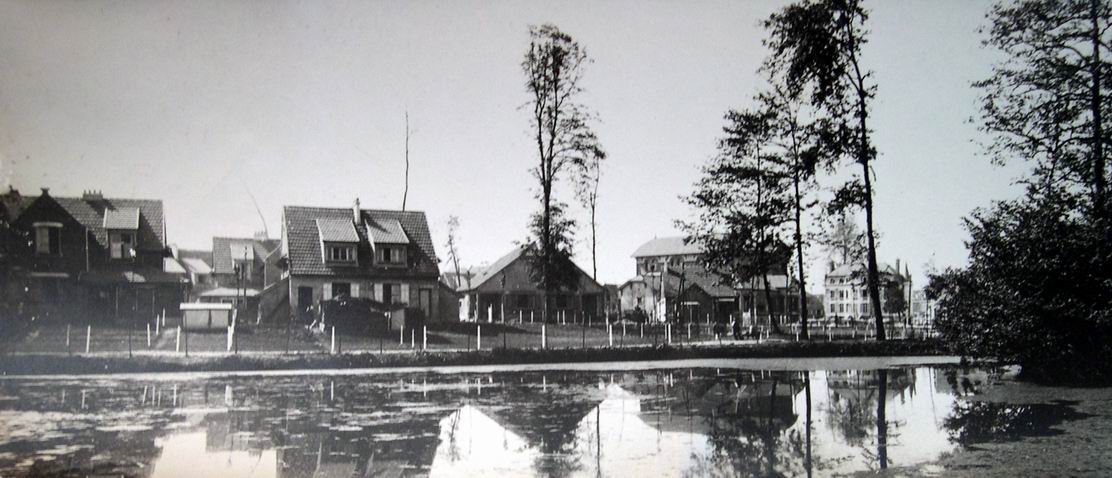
(554, 65)
(818, 44)
(1047, 101)
(586, 190)
(453, 246)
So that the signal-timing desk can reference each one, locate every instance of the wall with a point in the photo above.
(366, 289)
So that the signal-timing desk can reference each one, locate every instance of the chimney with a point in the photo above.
(355, 211)
(897, 267)
(45, 191)
(92, 195)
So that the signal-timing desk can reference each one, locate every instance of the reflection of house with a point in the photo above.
(99, 257)
(671, 283)
(847, 295)
(387, 256)
(506, 287)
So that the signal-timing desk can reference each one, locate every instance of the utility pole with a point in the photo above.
(405, 194)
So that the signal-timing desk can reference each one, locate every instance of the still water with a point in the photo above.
(657, 422)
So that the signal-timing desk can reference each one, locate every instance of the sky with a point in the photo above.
(215, 106)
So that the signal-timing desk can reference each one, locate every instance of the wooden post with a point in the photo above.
(413, 338)
(530, 316)
(177, 341)
(544, 337)
(88, 337)
(230, 332)
(642, 330)
(148, 335)
(478, 337)
(610, 334)
(424, 337)
(623, 328)
(401, 336)
(332, 348)
(67, 338)
(490, 313)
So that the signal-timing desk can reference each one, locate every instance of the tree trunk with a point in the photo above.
(882, 419)
(799, 254)
(1095, 105)
(768, 302)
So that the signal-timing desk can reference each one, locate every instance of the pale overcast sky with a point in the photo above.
(303, 103)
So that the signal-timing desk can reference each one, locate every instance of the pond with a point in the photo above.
(651, 421)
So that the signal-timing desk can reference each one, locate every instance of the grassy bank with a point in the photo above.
(35, 364)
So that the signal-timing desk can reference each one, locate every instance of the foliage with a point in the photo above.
(1038, 288)
(566, 143)
(586, 190)
(452, 246)
(817, 46)
(1047, 102)
(1044, 305)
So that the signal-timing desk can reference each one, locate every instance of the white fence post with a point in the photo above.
(332, 348)
(544, 337)
(424, 337)
(177, 341)
(148, 335)
(88, 337)
(610, 334)
(478, 337)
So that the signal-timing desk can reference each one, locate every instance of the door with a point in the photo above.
(304, 299)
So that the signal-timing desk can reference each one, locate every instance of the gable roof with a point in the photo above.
(91, 214)
(224, 249)
(666, 246)
(303, 240)
(505, 261)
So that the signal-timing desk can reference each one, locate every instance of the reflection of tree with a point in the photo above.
(981, 422)
(857, 411)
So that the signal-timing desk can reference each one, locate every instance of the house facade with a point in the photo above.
(383, 255)
(97, 258)
(672, 284)
(505, 291)
(846, 294)
(238, 272)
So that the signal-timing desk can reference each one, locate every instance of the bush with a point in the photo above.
(1037, 291)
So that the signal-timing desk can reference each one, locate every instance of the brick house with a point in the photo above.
(384, 255)
(97, 258)
(505, 289)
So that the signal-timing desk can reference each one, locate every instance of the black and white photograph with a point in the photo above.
(567, 238)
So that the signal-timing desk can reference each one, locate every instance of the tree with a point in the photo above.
(553, 67)
(817, 44)
(844, 242)
(451, 245)
(1047, 101)
(742, 203)
(586, 190)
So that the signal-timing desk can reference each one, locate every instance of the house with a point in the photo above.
(384, 255)
(97, 258)
(847, 295)
(672, 283)
(238, 272)
(13, 249)
(504, 290)
(198, 268)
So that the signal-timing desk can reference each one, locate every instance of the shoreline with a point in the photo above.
(43, 365)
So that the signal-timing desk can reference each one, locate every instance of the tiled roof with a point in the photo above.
(303, 241)
(666, 246)
(122, 218)
(337, 230)
(496, 267)
(90, 213)
(386, 232)
(226, 248)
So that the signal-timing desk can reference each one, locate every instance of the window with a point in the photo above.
(341, 289)
(48, 238)
(391, 255)
(341, 253)
(121, 244)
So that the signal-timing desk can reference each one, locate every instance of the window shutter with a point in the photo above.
(327, 291)
(405, 294)
(378, 292)
(354, 290)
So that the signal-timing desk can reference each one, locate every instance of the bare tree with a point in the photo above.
(452, 244)
(586, 189)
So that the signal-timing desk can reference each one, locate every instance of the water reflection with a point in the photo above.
(654, 423)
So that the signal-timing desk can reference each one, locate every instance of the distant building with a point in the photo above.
(504, 289)
(671, 282)
(238, 272)
(923, 309)
(99, 258)
(847, 296)
(384, 255)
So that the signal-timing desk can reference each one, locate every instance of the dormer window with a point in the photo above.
(391, 255)
(341, 253)
(48, 238)
(121, 244)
